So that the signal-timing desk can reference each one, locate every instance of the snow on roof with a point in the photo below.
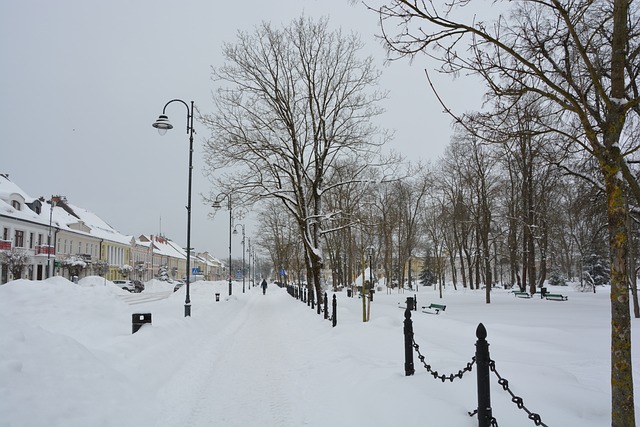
(63, 216)
(9, 188)
(163, 246)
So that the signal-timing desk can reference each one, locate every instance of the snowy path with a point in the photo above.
(245, 373)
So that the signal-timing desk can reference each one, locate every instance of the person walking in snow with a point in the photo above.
(264, 286)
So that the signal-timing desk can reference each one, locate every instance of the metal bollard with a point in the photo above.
(484, 390)
(334, 315)
(139, 319)
(410, 304)
(326, 306)
(408, 342)
(217, 297)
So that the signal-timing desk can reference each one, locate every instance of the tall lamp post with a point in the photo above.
(236, 232)
(54, 201)
(217, 205)
(163, 125)
(249, 252)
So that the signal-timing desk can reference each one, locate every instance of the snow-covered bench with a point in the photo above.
(433, 308)
(556, 297)
(521, 294)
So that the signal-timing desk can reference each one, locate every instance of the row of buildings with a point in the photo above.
(53, 237)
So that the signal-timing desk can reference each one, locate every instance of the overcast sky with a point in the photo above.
(82, 82)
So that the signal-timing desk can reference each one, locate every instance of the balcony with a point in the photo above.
(5, 245)
(45, 250)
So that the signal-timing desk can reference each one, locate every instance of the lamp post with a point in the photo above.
(370, 262)
(53, 202)
(163, 125)
(249, 266)
(236, 232)
(217, 205)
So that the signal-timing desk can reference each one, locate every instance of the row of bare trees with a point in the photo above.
(294, 125)
(575, 67)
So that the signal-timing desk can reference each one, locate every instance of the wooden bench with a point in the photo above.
(556, 297)
(521, 294)
(433, 308)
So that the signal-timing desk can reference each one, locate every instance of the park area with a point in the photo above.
(68, 357)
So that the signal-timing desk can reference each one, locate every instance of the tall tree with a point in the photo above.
(298, 99)
(581, 58)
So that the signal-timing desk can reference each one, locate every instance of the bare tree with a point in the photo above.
(580, 59)
(298, 100)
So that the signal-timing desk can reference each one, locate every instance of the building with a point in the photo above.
(57, 237)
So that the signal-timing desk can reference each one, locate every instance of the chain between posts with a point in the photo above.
(484, 366)
(515, 399)
(435, 374)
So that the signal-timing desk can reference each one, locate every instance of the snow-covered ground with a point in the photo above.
(68, 358)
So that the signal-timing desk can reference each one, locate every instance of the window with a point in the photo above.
(15, 204)
(5, 234)
(19, 242)
(31, 240)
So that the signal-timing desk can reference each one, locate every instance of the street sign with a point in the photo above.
(195, 270)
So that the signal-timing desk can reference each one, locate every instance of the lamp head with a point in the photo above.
(162, 124)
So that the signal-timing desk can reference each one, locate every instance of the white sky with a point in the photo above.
(82, 81)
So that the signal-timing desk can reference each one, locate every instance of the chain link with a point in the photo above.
(435, 374)
(516, 399)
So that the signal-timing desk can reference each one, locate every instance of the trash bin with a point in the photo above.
(349, 292)
(139, 319)
(217, 297)
(543, 292)
(371, 292)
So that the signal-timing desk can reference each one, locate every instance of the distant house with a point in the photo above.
(63, 239)
(56, 234)
(23, 228)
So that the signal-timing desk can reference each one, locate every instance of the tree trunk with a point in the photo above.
(621, 369)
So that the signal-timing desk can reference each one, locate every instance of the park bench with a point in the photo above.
(521, 294)
(433, 308)
(556, 297)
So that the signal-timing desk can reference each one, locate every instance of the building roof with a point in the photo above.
(64, 215)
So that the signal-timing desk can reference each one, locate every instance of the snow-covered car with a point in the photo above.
(179, 284)
(127, 285)
(139, 286)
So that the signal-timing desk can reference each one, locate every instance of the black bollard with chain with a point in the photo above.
(485, 417)
(326, 306)
(409, 369)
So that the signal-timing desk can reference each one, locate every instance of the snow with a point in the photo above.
(68, 358)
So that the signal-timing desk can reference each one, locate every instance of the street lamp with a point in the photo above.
(236, 232)
(53, 202)
(371, 273)
(249, 262)
(163, 125)
(217, 205)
